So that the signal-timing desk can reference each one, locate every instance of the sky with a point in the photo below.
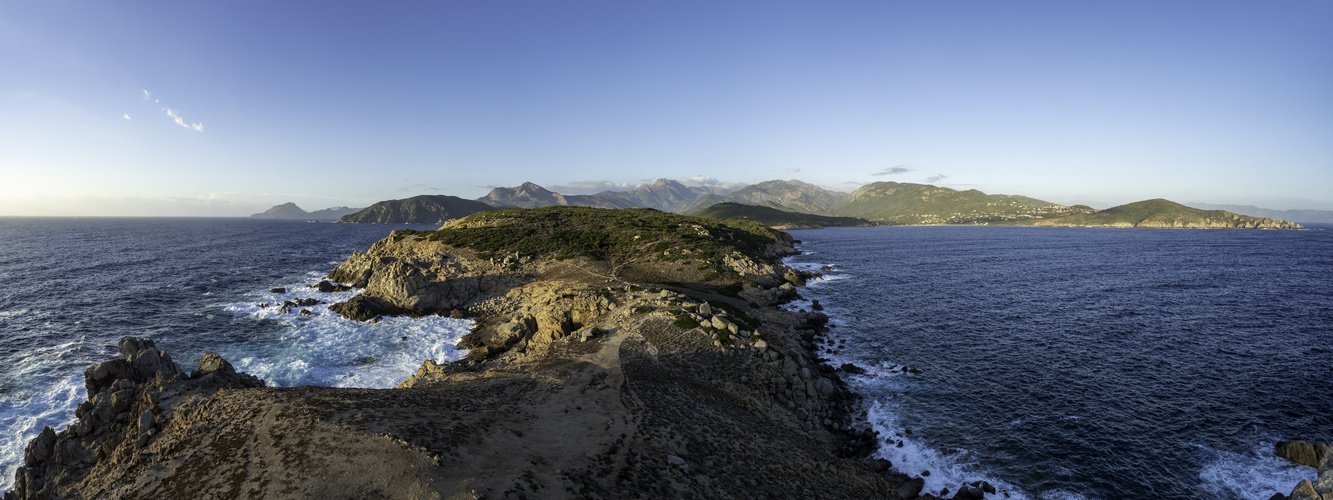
(228, 108)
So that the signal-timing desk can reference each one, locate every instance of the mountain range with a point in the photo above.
(787, 203)
(289, 210)
(1323, 216)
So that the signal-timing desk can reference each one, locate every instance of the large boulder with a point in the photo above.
(140, 361)
(1301, 452)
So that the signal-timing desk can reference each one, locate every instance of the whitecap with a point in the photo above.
(328, 350)
(1254, 475)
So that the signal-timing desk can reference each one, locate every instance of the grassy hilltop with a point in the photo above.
(898, 203)
(778, 219)
(424, 209)
(656, 245)
(1163, 213)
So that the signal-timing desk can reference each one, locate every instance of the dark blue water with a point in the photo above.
(1094, 363)
(73, 287)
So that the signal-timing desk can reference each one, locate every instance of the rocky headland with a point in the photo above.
(616, 354)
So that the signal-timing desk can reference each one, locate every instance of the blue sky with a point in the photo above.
(227, 108)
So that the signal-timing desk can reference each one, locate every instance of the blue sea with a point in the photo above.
(72, 287)
(1085, 363)
(1056, 362)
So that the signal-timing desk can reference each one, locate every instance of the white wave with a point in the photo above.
(1254, 475)
(947, 470)
(24, 413)
(13, 314)
(328, 350)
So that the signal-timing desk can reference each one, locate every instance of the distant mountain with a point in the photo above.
(792, 196)
(424, 209)
(1163, 213)
(906, 203)
(289, 210)
(529, 195)
(665, 194)
(1324, 216)
(778, 219)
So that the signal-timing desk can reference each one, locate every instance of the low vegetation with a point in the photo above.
(601, 234)
(779, 219)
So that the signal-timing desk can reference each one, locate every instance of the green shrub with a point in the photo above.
(686, 322)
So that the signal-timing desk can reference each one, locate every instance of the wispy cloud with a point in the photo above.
(126, 116)
(708, 181)
(936, 178)
(418, 187)
(894, 170)
(794, 170)
(181, 121)
(175, 117)
(592, 187)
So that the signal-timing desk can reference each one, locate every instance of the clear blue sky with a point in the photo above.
(227, 108)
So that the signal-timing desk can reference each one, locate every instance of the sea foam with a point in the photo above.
(328, 350)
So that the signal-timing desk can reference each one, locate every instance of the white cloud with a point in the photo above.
(180, 121)
(175, 117)
(126, 116)
(707, 181)
(700, 180)
(894, 170)
(591, 187)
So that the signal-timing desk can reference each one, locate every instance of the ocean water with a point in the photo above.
(1085, 363)
(1056, 362)
(70, 288)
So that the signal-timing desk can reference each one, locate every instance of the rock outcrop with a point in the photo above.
(1319, 456)
(130, 400)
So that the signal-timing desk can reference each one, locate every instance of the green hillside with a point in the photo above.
(905, 203)
(1163, 213)
(778, 219)
(424, 209)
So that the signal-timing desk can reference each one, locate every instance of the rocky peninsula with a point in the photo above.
(616, 354)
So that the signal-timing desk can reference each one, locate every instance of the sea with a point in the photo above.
(1084, 363)
(1054, 363)
(70, 288)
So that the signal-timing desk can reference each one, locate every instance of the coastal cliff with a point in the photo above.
(616, 353)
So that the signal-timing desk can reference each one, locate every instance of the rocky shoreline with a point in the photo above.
(1319, 456)
(664, 370)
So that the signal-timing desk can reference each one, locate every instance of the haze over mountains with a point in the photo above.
(1324, 216)
(881, 203)
(289, 210)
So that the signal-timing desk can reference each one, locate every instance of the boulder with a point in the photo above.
(968, 492)
(879, 465)
(364, 308)
(140, 362)
(145, 421)
(326, 287)
(40, 448)
(1301, 452)
(277, 290)
(852, 369)
(506, 335)
(719, 323)
(1304, 491)
(825, 387)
